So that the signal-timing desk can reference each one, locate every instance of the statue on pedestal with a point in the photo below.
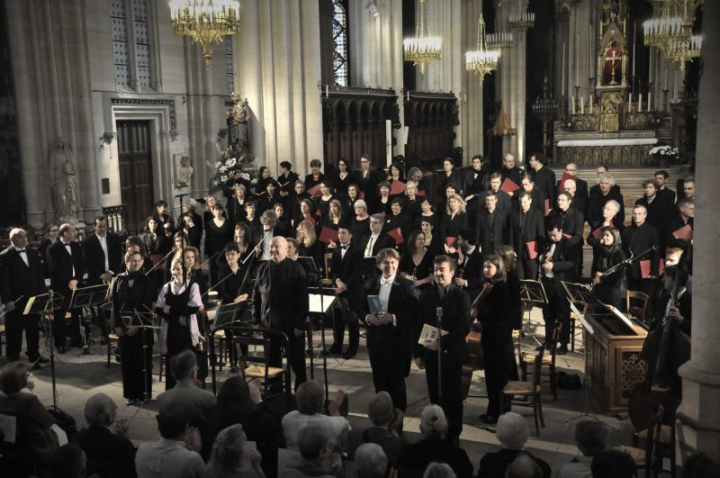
(66, 184)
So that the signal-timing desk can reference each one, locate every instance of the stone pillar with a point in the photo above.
(699, 414)
(471, 99)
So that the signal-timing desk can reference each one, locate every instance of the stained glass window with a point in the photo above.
(340, 44)
(131, 49)
(142, 43)
(229, 68)
(118, 24)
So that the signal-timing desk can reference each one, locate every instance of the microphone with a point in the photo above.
(439, 312)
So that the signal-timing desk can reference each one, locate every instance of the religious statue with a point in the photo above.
(238, 125)
(184, 172)
(66, 184)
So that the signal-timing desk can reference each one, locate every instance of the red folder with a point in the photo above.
(547, 207)
(314, 191)
(397, 188)
(567, 236)
(684, 232)
(597, 233)
(450, 241)
(564, 178)
(328, 235)
(645, 268)
(532, 249)
(509, 186)
(421, 193)
(397, 235)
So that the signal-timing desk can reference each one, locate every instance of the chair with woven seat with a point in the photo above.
(529, 390)
(254, 365)
(548, 361)
(648, 458)
(639, 298)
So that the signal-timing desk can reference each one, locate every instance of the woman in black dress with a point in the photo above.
(230, 280)
(236, 204)
(454, 220)
(509, 258)
(383, 201)
(343, 178)
(178, 302)
(417, 264)
(493, 313)
(191, 224)
(426, 214)
(263, 179)
(433, 242)
(322, 203)
(353, 194)
(608, 254)
(156, 246)
(219, 231)
(360, 222)
(134, 292)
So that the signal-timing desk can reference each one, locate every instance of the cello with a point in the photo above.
(665, 349)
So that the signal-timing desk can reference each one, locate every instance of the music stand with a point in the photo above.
(228, 313)
(43, 304)
(579, 293)
(85, 298)
(143, 321)
(532, 292)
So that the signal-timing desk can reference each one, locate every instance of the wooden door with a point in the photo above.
(136, 178)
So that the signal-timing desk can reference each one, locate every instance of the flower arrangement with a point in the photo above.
(227, 164)
(665, 152)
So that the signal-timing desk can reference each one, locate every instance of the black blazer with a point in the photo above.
(281, 296)
(17, 279)
(534, 230)
(61, 264)
(403, 304)
(565, 261)
(571, 220)
(504, 201)
(95, 256)
(515, 174)
(637, 240)
(597, 202)
(545, 183)
(500, 232)
(472, 272)
(455, 320)
(106, 451)
(383, 242)
(349, 268)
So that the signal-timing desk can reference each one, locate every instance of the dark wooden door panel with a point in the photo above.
(136, 179)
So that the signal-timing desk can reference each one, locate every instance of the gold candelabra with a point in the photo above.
(482, 60)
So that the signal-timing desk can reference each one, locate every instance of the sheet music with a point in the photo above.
(429, 333)
(618, 314)
(320, 303)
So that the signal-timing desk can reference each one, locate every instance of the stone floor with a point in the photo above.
(80, 376)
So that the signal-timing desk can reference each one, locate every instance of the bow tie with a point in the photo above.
(21, 250)
(385, 281)
(344, 248)
(67, 245)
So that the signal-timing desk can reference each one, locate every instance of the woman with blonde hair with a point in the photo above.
(454, 220)
(308, 245)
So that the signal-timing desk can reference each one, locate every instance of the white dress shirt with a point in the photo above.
(370, 244)
(103, 244)
(23, 255)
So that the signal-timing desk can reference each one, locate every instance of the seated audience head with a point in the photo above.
(380, 410)
(172, 423)
(227, 452)
(699, 465)
(439, 470)
(314, 443)
(13, 378)
(523, 466)
(183, 366)
(68, 461)
(370, 461)
(613, 464)
(512, 431)
(234, 402)
(310, 398)
(100, 410)
(591, 437)
(433, 423)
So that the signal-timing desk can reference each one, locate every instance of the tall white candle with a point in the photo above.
(327, 91)
(572, 102)
(591, 103)
(388, 141)
(630, 99)
(577, 59)
(649, 101)
(640, 103)
(582, 105)
(666, 73)
(562, 74)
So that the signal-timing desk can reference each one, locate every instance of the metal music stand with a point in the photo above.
(45, 304)
(227, 317)
(85, 298)
(579, 293)
(143, 321)
(532, 292)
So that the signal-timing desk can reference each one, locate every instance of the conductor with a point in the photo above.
(281, 302)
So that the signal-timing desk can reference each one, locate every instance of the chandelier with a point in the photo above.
(422, 49)
(205, 21)
(482, 61)
(672, 32)
(498, 41)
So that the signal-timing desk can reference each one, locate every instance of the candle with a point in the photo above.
(577, 63)
(630, 99)
(666, 73)
(572, 101)
(582, 105)
(649, 100)
(327, 91)
(408, 95)
(640, 103)
(562, 74)
(591, 103)
(634, 45)
(388, 141)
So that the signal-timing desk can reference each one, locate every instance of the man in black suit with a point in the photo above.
(504, 201)
(579, 203)
(455, 306)
(606, 190)
(509, 170)
(67, 266)
(558, 264)
(543, 177)
(346, 271)
(21, 277)
(636, 239)
(528, 226)
(581, 191)
(538, 198)
(469, 276)
(493, 226)
(686, 218)
(389, 329)
(571, 220)
(373, 243)
(665, 193)
(281, 302)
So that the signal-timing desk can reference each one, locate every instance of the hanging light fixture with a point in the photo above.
(422, 49)
(500, 40)
(482, 60)
(205, 21)
(672, 32)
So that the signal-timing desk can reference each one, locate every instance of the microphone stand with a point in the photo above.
(439, 314)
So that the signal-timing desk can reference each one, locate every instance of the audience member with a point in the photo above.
(104, 441)
(590, 437)
(512, 431)
(228, 454)
(68, 461)
(315, 446)
(439, 470)
(433, 447)
(613, 464)
(699, 465)
(523, 466)
(386, 420)
(370, 461)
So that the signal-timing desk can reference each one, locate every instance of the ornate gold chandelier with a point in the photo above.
(422, 49)
(672, 32)
(482, 60)
(205, 21)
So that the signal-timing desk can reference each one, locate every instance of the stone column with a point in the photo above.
(471, 99)
(699, 414)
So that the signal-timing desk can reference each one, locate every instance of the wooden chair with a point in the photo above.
(528, 390)
(548, 361)
(642, 298)
(254, 364)
(665, 443)
(2, 333)
(648, 458)
(576, 331)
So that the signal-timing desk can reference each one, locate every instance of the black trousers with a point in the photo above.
(342, 319)
(15, 324)
(452, 396)
(296, 354)
(390, 366)
(499, 359)
(61, 326)
(136, 365)
(557, 309)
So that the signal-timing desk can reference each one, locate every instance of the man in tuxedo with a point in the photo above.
(493, 226)
(373, 243)
(543, 177)
(557, 264)
(469, 276)
(527, 227)
(389, 328)
(636, 239)
(509, 170)
(281, 302)
(504, 201)
(67, 266)
(454, 303)
(21, 277)
(346, 272)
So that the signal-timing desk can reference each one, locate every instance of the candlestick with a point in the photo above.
(562, 74)
(582, 105)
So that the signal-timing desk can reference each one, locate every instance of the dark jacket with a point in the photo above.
(61, 264)
(415, 458)
(637, 240)
(545, 182)
(17, 279)
(491, 234)
(455, 320)
(107, 454)
(95, 256)
(403, 303)
(281, 298)
(493, 465)
(533, 230)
